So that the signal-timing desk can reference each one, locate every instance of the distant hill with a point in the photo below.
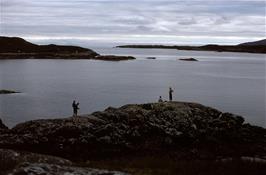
(18, 48)
(255, 43)
(19, 45)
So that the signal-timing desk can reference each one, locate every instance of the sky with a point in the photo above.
(134, 21)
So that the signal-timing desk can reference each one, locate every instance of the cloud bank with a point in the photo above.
(138, 21)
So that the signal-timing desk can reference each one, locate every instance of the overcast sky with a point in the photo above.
(135, 21)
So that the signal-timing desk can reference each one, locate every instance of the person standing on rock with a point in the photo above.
(160, 99)
(75, 107)
(170, 94)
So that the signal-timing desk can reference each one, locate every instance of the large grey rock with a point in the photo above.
(144, 128)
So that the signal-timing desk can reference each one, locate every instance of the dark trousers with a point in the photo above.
(75, 112)
(170, 97)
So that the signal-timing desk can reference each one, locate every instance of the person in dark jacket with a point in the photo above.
(170, 94)
(75, 107)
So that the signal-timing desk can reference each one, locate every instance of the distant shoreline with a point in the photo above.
(261, 49)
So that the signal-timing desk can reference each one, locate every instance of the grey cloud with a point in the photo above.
(222, 20)
(133, 20)
(85, 18)
(188, 21)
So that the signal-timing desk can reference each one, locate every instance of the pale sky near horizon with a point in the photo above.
(138, 21)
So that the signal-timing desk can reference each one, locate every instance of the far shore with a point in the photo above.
(217, 48)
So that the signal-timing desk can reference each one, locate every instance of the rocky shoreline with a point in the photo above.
(66, 56)
(177, 131)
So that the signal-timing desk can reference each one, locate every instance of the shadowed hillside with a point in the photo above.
(255, 43)
(19, 45)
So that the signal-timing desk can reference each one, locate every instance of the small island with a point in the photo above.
(151, 58)
(4, 91)
(18, 48)
(188, 59)
(113, 58)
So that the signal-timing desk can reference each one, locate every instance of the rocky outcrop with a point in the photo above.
(183, 130)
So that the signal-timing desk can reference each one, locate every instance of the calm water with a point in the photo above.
(231, 82)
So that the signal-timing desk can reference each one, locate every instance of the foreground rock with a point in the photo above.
(188, 59)
(17, 163)
(182, 130)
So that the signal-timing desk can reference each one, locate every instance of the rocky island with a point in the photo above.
(4, 91)
(113, 58)
(250, 47)
(18, 48)
(153, 138)
(188, 59)
(151, 58)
